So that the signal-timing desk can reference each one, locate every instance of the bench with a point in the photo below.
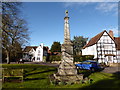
(12, 73)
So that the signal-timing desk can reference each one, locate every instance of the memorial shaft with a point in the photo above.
(67, 71)
(67, 67)
(66, 29)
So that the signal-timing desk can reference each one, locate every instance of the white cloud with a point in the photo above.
(115, 30)
(104, 7)
(116, 33)
(108, 7)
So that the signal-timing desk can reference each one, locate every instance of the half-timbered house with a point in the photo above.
(104, 46)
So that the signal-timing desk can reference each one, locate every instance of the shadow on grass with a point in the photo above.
(39, 72)
(87, 73)
(28, 79)
(114, 82)
(26, 71)
(117, 75)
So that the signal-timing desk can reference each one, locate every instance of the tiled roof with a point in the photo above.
(45, 48)
(117, 40)
(94, 40)
(28, 48)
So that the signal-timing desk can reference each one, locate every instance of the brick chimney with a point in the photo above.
(111, 33)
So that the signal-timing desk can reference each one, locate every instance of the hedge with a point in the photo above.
(79, 58)
(55, 58)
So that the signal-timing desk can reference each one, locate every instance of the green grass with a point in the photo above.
(37, 76)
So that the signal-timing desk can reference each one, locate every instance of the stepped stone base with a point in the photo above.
(67, 68)
(67, 71)
(68, 78)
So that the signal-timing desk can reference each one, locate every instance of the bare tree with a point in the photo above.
(14, 29)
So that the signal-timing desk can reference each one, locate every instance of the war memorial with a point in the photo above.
(67, 71)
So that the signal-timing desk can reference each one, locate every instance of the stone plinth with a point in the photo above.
(68, 78)
(66, 66)
(67, 71)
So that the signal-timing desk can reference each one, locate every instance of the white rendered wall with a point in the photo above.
(39, 53)
(118, 56)
(32, 52)
(27, 55)
(91, 50)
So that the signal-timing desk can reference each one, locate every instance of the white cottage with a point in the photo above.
(105, 48)
(35, 53)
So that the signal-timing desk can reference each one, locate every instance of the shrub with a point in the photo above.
(44, 58)
(79, 58)
(55, 58)
(89, 57)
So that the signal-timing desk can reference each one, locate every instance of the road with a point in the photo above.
(112, 69)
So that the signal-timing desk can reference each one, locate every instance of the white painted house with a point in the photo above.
(35, 53)
(105, 48)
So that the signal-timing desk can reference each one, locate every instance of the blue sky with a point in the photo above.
(46, 20)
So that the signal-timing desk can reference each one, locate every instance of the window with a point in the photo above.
(108, 46)
(38, 54)
(38, 51)
(38, 58)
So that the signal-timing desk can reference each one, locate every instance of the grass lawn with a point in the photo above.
(37, 76)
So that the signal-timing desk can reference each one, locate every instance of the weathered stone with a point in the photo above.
(67, 71)
(69, 78)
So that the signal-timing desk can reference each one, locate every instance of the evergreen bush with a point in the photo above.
(55, 58)
(80, 58)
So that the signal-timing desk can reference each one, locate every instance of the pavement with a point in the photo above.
(115, 69)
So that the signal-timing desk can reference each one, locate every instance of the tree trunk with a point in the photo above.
(8, 57)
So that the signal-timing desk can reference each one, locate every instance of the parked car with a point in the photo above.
(89, 65)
